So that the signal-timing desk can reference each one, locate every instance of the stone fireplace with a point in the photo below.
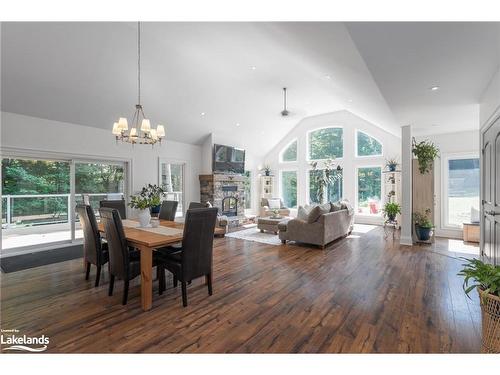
(227, 193)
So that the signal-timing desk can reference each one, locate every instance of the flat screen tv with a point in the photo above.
(228, 159)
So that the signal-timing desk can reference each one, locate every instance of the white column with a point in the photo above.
(406, 186)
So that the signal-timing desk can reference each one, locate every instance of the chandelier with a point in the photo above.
(140, 131)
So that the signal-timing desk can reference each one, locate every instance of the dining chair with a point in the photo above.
(168, 210)
(124, 263)
(196, 205)
(194, 259)
(94, 250)
(117, 205)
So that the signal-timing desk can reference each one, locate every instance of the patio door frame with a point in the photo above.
(185, 171)
(72, 159)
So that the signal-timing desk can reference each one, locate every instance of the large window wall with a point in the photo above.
(358, 154)
(39, 195)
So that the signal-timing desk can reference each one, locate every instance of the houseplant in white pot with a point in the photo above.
(143, 204)
(486, 278)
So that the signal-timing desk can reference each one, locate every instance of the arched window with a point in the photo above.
(290, 152)
(367, 146)
(326, 143)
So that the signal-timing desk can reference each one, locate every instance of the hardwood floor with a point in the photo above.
(362, 294)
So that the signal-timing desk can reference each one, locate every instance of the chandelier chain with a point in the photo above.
(139, 62)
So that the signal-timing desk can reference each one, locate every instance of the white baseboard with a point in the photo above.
(406, 240)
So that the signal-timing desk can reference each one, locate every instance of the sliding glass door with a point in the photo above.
(97, 181)
(38, 203)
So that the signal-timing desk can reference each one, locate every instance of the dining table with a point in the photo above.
(147, 240)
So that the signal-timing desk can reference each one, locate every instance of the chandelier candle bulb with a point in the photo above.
(133, 132)
(153, 134)
(146, 125)
(160, 131)
(116, 129)
(123, 123)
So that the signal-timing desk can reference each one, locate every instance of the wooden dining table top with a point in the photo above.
(150, 239)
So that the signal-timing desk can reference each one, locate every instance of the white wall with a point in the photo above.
(490, 101)
(449, 144)
(39, 135)
(350, 123)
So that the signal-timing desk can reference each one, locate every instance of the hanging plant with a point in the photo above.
(426, 152)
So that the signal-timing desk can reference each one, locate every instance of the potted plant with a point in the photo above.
(153, 193)
(426, 152)
(391, 209)
(391, 164)
(327, 176)
(486, 278)
(142, 204)
(267, 170)
(423, 225)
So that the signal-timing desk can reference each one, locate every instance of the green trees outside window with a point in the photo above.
(369, 190)
(368, 146)
(290, 153)
(289, 188)
(248, 189)
(326, 143)
(333, 191)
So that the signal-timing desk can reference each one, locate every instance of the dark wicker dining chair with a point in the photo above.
(117, 205)
(168, 210)
(194, 259)
(94, 250)
(123, 263)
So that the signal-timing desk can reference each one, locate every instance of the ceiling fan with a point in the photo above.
(284, 112)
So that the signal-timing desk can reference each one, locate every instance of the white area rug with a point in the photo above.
(254, 234)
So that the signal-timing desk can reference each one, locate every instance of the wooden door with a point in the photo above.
(490, 175)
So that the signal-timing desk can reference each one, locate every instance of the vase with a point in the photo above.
(155, 209)
(423, 234)
(144, 217)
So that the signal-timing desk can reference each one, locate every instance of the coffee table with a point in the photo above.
(270, 223)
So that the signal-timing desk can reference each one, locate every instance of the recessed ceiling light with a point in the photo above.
(253, 67)
(237, 124)
(203, 113)
(349, 100)
(434, 88)
(328, 76)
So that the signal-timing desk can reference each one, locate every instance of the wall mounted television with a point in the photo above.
(227, 159)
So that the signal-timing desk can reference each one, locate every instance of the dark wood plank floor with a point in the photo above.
(361, 294)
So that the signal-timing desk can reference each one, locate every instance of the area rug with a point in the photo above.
(254, 234)
(40, 258)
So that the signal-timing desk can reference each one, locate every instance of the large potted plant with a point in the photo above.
(391, 209)
(423, 225)
(425, 152)
(143, 205)
(486, 278)
(324, 177)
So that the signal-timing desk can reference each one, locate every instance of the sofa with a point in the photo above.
(329, 225)
(266, 210)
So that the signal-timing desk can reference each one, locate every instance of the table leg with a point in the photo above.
(146, 278)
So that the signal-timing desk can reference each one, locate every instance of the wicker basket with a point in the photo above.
(490, 311)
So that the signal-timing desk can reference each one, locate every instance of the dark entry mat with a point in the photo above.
(40, 258)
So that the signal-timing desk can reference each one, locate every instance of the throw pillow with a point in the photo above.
(314, 214)
(336, 206)
(325, 208)
(302, 213)
(274, 203)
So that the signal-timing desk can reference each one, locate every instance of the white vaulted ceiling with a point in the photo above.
(85, 73)
(408, 58)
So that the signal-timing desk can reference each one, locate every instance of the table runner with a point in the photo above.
(166, 231)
